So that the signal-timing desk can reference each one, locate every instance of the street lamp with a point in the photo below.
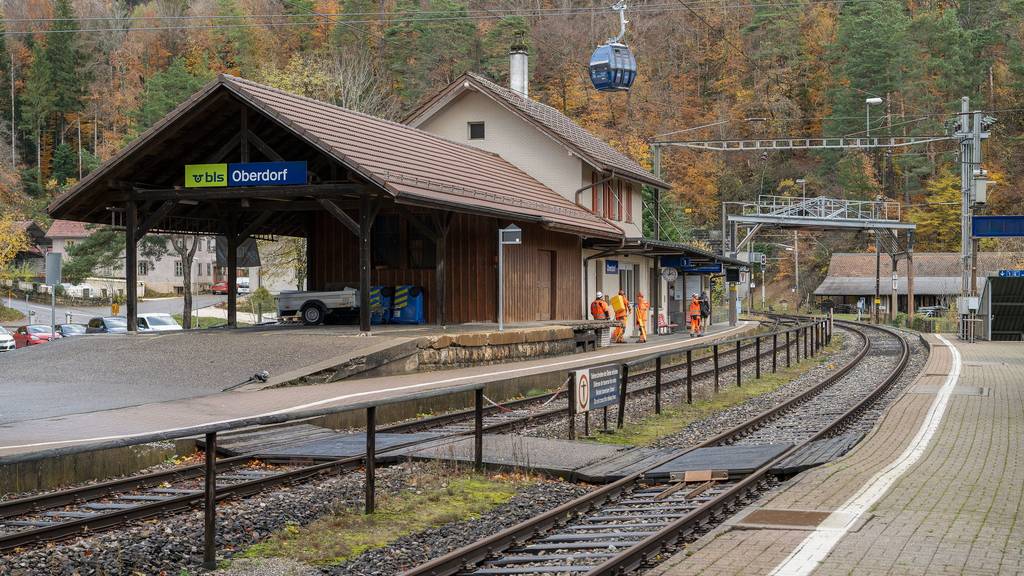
(803, 187)
(868, 103)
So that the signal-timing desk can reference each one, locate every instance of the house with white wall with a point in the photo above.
(555, 150)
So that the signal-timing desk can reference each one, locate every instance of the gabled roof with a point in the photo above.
(926, 264)
(410, 165)
(67, 229)
(593, 150)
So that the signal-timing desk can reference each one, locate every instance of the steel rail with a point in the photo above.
(475, 553)
(639, 554)
(105, 521)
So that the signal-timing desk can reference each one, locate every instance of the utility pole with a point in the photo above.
(970, 131)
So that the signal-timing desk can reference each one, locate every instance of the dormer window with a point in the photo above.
(476, 130)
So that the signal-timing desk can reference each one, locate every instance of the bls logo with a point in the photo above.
(206, 175)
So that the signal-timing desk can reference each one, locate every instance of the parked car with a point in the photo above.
(107, 325)
(33, 334)
(222, 286)
(157, 322)
(66, 330)
(6, 340)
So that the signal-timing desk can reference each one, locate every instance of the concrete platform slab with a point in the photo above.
(738, 460)
(817, 453)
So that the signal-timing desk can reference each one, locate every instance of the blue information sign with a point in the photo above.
(997, 226)
(1011, 273)
(611, 266)
(267, 174)
(605, 384)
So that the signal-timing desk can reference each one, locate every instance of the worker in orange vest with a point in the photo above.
(621, 306)
(695, 316)
(643, 307)
(599, 308)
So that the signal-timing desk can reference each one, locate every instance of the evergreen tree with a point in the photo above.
(163, 91)
(65, 164)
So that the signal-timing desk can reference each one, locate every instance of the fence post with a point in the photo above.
(689, 377)
(657, 387)
(806, 347)
(478, 430)
(796, 335)
(572, 407)
(622, 396)
(788, 346)
(210, 504)
(757, 357)
(371, 458)
(739, 363)
(715, 353)
(775, 352)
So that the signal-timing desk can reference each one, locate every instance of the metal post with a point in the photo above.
(689, 377)
(796, 269)
(53, 310)
(501, 283)
(715, 354)
(657, 385)
(571, 397)
(732, 304)
(739, 363)
(876, 313)
(775, 352)
(910, 282)
(622, 396)
(757, 358)
(365, 232)
(605, 418)
(478, 430)
(210, 504)
(232, 277)
(796, 335)
(586, 425)
(788, 346)
(371, 458)
(806, 347)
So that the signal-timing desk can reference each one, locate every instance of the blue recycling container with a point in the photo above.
(407, 307)
(380, 304)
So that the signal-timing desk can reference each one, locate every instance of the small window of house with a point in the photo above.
(476, 130)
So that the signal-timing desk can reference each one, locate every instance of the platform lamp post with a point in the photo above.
(510, 234)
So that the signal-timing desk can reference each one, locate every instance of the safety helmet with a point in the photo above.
(600, 294)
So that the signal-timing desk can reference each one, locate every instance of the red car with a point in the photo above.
(33, 334)
(219, 288)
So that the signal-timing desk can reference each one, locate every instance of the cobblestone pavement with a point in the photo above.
(956, 511)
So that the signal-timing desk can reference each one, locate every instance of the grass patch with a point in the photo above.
(10, 314)
(440, 497)
(676, 417)
(207, 322)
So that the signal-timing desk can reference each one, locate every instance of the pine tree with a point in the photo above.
(65, 164)
(163, 91)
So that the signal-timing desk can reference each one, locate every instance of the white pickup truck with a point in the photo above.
(315, 307)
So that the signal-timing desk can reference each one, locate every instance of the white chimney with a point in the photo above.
(519, 67)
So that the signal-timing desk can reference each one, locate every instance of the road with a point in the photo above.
(82, 314)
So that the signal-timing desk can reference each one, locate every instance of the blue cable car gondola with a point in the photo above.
(612, 66)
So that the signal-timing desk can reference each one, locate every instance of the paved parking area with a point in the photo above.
(955, 509)
(101, 372)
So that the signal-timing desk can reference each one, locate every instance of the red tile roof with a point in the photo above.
(420, 167)
(67, 229)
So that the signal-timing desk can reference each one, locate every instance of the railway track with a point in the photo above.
(63, 514)
(623, 526)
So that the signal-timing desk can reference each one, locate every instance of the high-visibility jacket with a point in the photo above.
(694, 307)
(621, 306)
(599, 310)
(642, 307)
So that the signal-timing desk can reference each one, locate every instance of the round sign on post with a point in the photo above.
(669, 274)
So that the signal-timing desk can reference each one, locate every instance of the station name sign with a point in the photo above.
(1011, 273)
(597, 387)
(245, 174)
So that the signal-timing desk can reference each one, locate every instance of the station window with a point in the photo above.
(143, 268)
(179, 270)
(476, 130)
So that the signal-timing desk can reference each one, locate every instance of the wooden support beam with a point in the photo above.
(253, 226)
(243, 133)
(340, 215)
(442, 224)
(254, 192)
(263, 146)
(155, 217)
(232, 238)
(429, 231)
(367, 211)
(222, 153)
(131, 265)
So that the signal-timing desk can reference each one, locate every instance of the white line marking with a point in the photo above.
(813, 550)
(350, 396)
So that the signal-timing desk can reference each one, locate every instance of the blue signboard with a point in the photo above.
(267, 174)
(684, 265)
(611, 266)
(677, 262)
(597, 387)
(1011, 273)
(713, 268)
(997, 226)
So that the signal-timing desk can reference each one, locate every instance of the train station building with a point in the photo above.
(386, 203)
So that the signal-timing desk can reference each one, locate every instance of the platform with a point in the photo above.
(61, 425)
(936, 488)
